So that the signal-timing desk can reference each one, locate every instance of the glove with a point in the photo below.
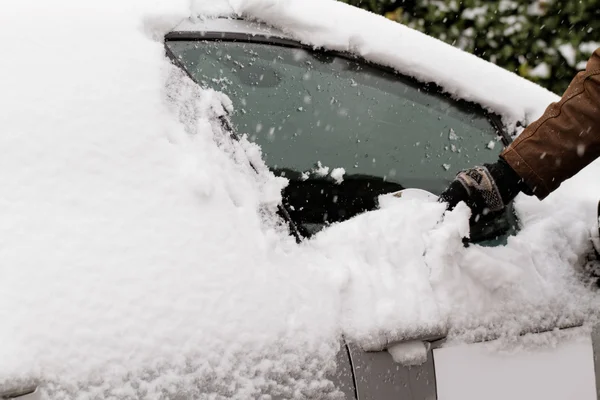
(485, 189)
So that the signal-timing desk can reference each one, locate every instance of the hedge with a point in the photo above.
(546, 41)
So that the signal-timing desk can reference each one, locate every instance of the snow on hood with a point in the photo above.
(140, 255)
(338, 26)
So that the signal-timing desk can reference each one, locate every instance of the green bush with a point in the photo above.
(546, 41)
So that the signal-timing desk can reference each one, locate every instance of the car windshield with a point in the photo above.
(341, 130)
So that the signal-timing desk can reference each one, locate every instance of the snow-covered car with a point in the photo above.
(201, 208)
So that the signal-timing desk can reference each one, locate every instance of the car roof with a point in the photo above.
(333, 25)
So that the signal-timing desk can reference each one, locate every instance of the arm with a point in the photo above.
(549, 151)
(565, 139)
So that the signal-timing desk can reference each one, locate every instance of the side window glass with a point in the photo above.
(343, 132)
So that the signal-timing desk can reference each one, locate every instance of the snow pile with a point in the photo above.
(420, 271)
(321, 170)
(411, 352)
(387, 281)
(527, 285)
(337, 26)
(136, 260)
(338, 174)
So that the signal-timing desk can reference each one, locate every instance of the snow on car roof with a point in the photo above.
(229, 25)
(338, 26)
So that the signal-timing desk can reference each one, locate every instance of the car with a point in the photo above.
(282, 91)
(330, 122)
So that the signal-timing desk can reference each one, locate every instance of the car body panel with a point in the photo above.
(344, 378)
(378, 376)
(563, 371)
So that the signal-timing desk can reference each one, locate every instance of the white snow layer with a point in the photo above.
(589, 47)
(411, 352)
(542, 70)
(141, 256)
(338, 175)
(134, 259)
(569, 53)
(338, 26)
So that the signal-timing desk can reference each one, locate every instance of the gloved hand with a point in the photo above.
(485, 189)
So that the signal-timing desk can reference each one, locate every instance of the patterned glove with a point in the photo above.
(485, 189)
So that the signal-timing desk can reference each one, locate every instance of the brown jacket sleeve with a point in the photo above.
(565, 139)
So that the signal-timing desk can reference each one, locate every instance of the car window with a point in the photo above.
(341, 130)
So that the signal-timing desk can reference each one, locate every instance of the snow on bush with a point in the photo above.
(141, 256)
(530, 281)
